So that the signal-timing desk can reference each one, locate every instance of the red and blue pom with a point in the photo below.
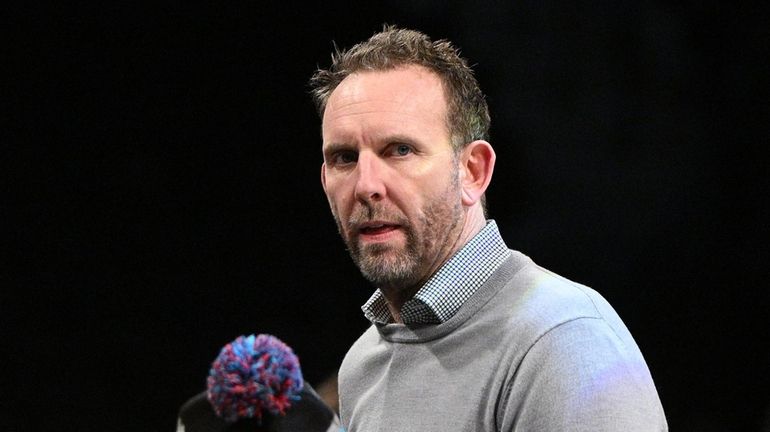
(254, 375)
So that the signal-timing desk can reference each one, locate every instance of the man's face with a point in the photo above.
(390, 174)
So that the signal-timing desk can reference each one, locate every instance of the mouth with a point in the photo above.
(376, 228)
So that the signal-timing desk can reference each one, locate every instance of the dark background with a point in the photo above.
(164, 192)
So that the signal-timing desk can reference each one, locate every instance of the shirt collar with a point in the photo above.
(451, 286)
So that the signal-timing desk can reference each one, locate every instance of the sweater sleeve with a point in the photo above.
(582, 376)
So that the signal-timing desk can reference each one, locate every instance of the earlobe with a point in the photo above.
(478, 163)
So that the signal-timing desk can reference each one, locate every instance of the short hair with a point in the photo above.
(467, 112)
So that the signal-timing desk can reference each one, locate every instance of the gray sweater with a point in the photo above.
(529, 351)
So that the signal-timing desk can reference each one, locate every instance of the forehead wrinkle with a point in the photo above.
(336, 114)
(360, 107)
(360, 86)
(347, 126)
(366, 103)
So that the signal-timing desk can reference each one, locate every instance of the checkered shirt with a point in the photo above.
(454, 283)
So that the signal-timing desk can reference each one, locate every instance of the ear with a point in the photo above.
(323, 175)
(477, 162)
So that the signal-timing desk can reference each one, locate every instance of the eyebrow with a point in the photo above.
(388, 139)
(399, 138)
(335, 147)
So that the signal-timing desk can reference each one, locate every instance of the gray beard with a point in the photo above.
(386, 267)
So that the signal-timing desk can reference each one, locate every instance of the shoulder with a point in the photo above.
(365, 343)
(578, 362)
(540, 306)
(364, 351)
(583, 375)
(538, 297)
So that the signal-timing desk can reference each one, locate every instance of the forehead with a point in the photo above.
(406, 97)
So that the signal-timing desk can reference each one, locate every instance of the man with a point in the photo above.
(466, 334)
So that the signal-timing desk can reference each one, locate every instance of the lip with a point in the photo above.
(377, 230)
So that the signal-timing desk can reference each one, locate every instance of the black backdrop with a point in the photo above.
(170, 198)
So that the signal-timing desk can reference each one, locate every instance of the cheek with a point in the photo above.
(337, 200)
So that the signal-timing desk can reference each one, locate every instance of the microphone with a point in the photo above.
(255, 384)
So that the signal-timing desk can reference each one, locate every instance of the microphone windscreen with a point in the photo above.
(253, 375)
(256, 384)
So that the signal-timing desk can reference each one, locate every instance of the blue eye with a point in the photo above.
(403, 149)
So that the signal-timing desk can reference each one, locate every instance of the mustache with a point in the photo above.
(368, 213)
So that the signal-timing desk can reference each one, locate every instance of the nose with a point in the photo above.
(370, 185)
